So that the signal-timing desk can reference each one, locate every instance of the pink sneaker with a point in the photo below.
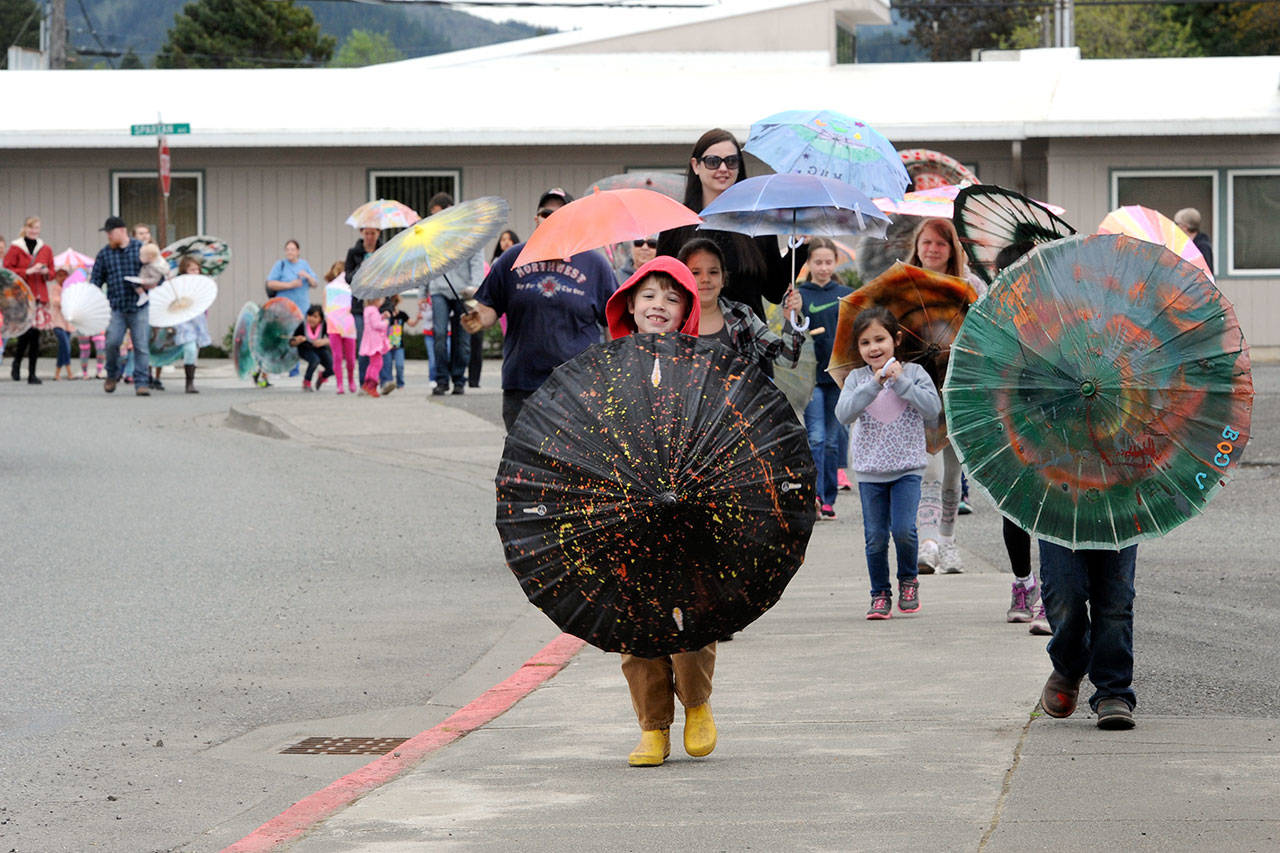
(842, 481)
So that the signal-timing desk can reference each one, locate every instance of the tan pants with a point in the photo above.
(655, 682)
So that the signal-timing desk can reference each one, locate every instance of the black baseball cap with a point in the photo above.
(556, 193)
(112, 223)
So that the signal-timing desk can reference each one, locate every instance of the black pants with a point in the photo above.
(28, 343)
(477, 359)
(512, 403)
(314, 357)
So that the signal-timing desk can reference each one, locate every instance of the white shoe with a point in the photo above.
(950, 559)
(143, 299)
(927, 559)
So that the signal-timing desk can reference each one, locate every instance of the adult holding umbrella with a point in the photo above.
(370, 219)
(115, 262)
(29, 258)
(755, 271)
(554, 310)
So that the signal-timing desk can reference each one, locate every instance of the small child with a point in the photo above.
(395, 337)
(312, 340)
(154, 270)
(890, 402)
(661, 297)
(374, 342)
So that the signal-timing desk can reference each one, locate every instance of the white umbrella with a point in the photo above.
(182, 298)
(85, 308)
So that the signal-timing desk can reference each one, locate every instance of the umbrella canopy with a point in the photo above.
(669, 184)
(86, 308)
(17, 305)
(1154, 227)
(827, 144)
(382, 213)
(241, 353)
(655, 494)
(602, 218)
(180, 299)
(1101, 392)
(337, 309)
(431, 247)
(214, 253)
(929, 169)
(269, 337)
(793, 204)
(72, 260)
(989, 218)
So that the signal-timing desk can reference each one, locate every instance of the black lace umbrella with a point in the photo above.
(989, 218)
(656, 494)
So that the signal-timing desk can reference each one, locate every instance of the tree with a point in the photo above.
(365, 48)
(1118, 32)
(19, 25)
(131, 60)
(949, 31)
(1233, 29)
(244, 34)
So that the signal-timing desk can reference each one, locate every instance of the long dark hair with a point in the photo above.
(692, 183)
(876, 314)
(497, 247)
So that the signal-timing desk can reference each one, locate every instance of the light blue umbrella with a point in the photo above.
(795, 206)
(826, 144)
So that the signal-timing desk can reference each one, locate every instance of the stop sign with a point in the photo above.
(164, 167)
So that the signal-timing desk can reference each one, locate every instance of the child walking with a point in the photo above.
(374, 342)
(395, 337)
(888, 403)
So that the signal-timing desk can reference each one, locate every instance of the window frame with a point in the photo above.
(372, 175)
(202, 199)
(1231, 268)
(1215, 176)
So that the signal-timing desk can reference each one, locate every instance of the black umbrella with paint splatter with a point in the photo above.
(656, 494)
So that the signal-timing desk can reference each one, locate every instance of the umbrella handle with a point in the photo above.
(797, 326)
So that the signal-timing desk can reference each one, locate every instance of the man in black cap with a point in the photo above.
(116, 260)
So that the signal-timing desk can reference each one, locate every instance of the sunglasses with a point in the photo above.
(711, 161)
(652, 244)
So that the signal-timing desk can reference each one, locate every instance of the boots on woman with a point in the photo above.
(190, 370)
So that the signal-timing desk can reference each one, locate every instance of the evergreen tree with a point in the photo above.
(244, 34)
(366, 48)
(19, 25)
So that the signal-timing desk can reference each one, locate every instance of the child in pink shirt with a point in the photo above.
(374, 342)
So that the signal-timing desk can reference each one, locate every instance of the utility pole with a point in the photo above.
(57, 33)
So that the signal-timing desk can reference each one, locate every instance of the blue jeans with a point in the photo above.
(1088, 597)
(890, 508)
(63, 337)
(396, 357)
(824, 438)
(138, 324)
(452, 350)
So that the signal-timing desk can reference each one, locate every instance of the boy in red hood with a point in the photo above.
(662, 297)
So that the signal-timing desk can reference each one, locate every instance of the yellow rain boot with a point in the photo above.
(653, 748)
(699, 730)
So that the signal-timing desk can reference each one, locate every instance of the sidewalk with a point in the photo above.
(835, 733)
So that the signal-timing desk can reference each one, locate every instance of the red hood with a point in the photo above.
(620, 322)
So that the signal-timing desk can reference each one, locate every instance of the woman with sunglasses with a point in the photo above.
(755, 271)
(637, 253)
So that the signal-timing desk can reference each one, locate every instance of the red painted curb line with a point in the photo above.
(494, 702)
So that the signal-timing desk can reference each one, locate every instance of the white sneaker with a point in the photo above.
(927, 559)
(143, 299)
(950, 559)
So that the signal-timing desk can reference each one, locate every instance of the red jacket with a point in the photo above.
(18, 259)
(616, 310)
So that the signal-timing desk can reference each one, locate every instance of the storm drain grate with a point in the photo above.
(344, 746)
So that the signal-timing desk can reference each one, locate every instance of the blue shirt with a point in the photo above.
(286, 270)
(554, 311)
(110, 267)
(822, 305)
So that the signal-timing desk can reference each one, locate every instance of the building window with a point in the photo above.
(414, 188)
(1253, 204)
(135, 198)
(846, 45)
(1170, 191)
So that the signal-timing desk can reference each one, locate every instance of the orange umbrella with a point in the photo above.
(602, 218)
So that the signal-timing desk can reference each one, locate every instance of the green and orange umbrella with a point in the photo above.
(1101, 392)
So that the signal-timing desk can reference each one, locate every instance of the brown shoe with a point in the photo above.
(109, 384)
(1058, 698)
(142, 392)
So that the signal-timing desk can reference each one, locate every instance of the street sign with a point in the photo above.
(158, 129)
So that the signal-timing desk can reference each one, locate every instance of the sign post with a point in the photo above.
(161, 131)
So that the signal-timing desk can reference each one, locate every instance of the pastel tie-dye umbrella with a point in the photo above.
(1154, 227)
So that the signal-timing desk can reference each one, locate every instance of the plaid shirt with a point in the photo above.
(111, 266)
(751, 337)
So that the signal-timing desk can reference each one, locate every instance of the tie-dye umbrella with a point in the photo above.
(431, 248)
(989, 219)
(827, 144)
(17, 305)
(337, 309)
(241, 337)
(1101, 393)
(655, 495)
(269, 338)
(929, 169)
(214, 254)
(1154, 227)
(382, 213)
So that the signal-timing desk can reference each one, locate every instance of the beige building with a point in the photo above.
(280, 154)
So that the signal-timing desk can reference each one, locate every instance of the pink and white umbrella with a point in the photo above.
(936, 202)
(383, 213)
(73, 261)
(1154, 227)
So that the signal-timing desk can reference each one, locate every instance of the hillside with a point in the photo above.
(141, 26)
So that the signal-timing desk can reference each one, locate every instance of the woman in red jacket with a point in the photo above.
(31, 259)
